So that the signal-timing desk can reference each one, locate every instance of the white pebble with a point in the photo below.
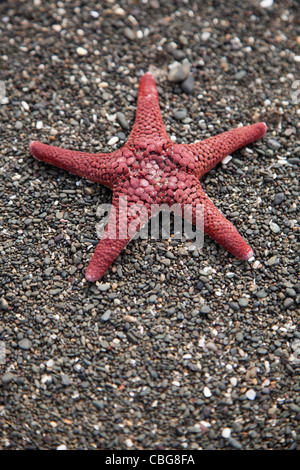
(251, 394)
(61, 447)
(57, 28)
(209, 270)
(205, 35)
(266, 3)
(46, 379)
(111, 117)
(39, 125)
(207, 393)
(94, 14)
(255, 264)
(176, 383)
(226, 433)
(113, 140)
(274, 227)
(187, 356)
(206, 424)
(226, 159)
(50, 363)
(84, 80)
(297, 58)
(25, 105)
(128, 442)
(233, 381)
(119, 11)
(81, 51)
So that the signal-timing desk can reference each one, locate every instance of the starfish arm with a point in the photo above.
(106, 252)
(148, 127)
(214, 224)
(125, 220)
(94, 167)
(211, 151)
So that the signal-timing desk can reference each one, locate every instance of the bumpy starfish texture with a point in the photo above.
(151, 169)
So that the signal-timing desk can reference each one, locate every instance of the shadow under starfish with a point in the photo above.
(151, 169)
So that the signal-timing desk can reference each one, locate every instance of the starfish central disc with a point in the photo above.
(150, 169)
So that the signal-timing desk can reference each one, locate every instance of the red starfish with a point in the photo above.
(151, 169)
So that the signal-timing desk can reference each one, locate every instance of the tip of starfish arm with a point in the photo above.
(248, 255)
(35, 147)
(263, 127)
(32, 146)
(92, 275)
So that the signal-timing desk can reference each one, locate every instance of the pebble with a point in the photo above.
(7, 377)
(188, 84)
(113, 140)
(65, 380)
(251, 394)
(200, 285)
(273, 144)
(290, 292)
(235, 443)
(81, 51)
(106, 315)
(99, 404)
(239, 337)
(266, 3)
(122, 120)
(25, 344)
(235, 306)
(279, 198)
(180, 114)
(240, 75)
(274, 227)
(226, 433)
(205, 310)
(3, 304)
(129, 34)
(288, 303)
(256, 264)
(179, 71)
(273, 260)
(178, 54)
(243, 302)
(226, 159)
(205, 36)
(103, 287)
(94, 14)
(25, 105)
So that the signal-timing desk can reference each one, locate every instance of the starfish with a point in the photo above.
(151, 169)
